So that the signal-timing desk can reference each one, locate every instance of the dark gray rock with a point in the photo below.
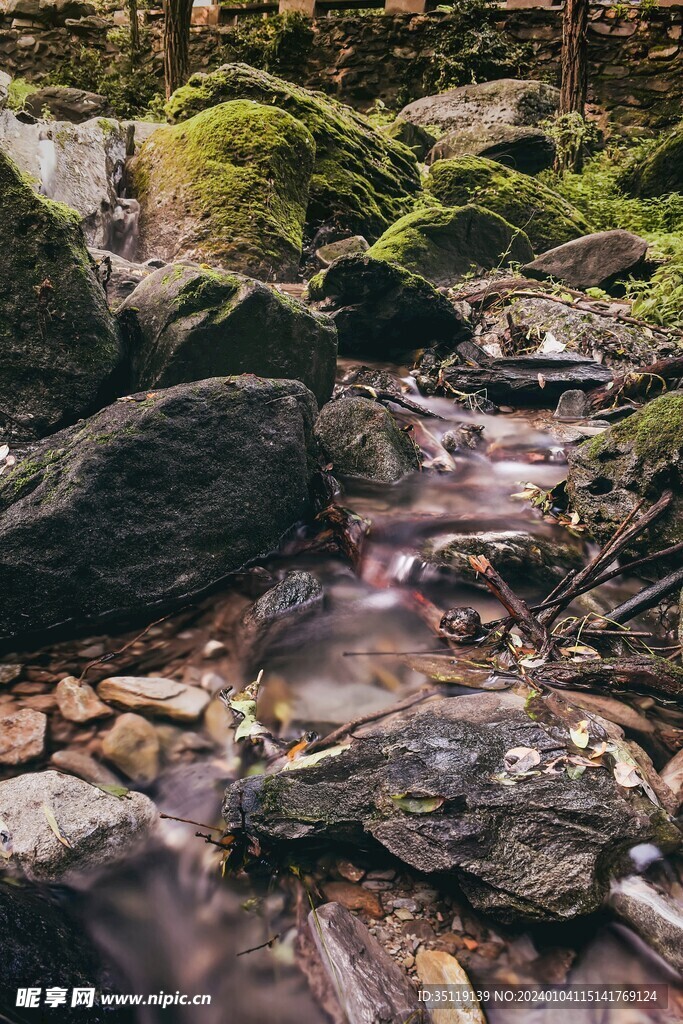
(573, 405)
(593, 261)
(411, 135)
(635, 459)
(153, 499)
(525, 149)
(517, 556)
(296, 593)
(65, 104)
(361, 438)
(188, 323)
(59, 346)
(380, 309)
(538, 849)
(528, 380)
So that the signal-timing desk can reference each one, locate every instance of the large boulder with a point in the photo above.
(593, 261)
(636, 459)
(154, 498)
(188, 323)
(547, 219)
(381, 309)
(506, 101)
(229, 187)
(660, 172)
(438, 787)
(60, 350)
(54, 824)
(65, 104)
(525, 149)
(445, 244)
(362, 179)
(361, 438)
(80, 165)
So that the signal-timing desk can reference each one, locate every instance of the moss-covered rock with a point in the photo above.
(638, 458)
(151, 500)
(380, 309)
(59, 346)
(661, 171)
(547, 219)
(190, 323)
(361, 438)
(445, 244)
(362, 181)
(228, 187)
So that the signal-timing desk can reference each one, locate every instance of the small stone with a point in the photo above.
(297, 592)
(672, 775)
(354, 897)
(133, 746)
(405, 904)
(97, 826)
(327, 254)
(404, 915)
(349, 871)
(420, 929)
(213, 649)
(9, 672)
(382, 875)
(461, 624)
(573, 405)
(75, 762)
(377, 886)
(78, 702)
(155, 696)
(45, 702)
(22, 737)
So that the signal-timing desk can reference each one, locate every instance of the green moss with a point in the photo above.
(362, 180)
(444, 245)
(654, 433)
(547, 219)
(240, 173)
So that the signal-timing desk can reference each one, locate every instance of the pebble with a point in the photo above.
(22, 737)
(78, 702)
(354, 897)
(402, 903)
(132, 745)
(27, 688)
(45, 702)
(155, 696)
(404, 915)
(75, 762)
(213, 649)
(9, 672)
(349, 871)
(376, 886)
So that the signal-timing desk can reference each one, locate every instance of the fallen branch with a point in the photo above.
(639, 674)
(515, 606)
(637, 383)
(644, 600)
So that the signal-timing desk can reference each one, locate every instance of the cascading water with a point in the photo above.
(123, 228)
(47, 162)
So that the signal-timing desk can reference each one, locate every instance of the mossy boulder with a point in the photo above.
(445, 244)
(60, 350)
(188, 323)
(229, 187)
(363, 180)
(380, 309)
(660, 172)
(633, 460)
(361, 438)
(152, 500)
(547, 219)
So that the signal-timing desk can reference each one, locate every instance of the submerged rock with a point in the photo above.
(547, 219)
(188, 323)
(229, 187)
(380, 309)
(36, 810)
(506, 101)
(593, 261)
(445, 245)
(361, 438)
(172, 489)
(516, 555)
(429, 785)
(59, 346)
(132, 745)
(362, 180)
(297, 592)
(638, 458)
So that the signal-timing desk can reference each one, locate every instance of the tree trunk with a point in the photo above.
(134, 26)
(177, 15)
(574, 57)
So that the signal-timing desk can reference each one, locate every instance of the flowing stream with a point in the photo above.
(166, 919)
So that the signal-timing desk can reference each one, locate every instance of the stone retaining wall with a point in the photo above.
(636, 56)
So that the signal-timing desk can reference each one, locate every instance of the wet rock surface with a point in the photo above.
(188, 323)
(516, 555)
(233, 456)
(361, 438)
(296, 593)
(36, 810)
(427, 786)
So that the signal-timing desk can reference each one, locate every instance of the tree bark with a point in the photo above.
(177, 16)
(574, 57)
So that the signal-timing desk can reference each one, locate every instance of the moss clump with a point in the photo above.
(661, 171)
(655, 434)
(229, 186)
(547, 219)
(362, 180)
(445, 244)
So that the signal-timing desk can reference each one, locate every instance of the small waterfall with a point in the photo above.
(47, 162)
(123, 228)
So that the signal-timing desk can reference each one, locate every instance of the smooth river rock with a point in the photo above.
(160, 697)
